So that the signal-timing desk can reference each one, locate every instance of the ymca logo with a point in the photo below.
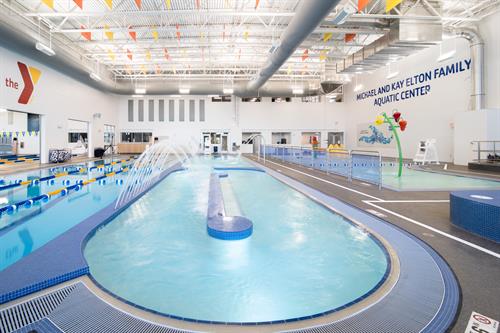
(30, 76)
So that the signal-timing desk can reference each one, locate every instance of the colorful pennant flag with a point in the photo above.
(165, 53)
(133, 35)
(148, 55)
(362, 4)
(86, 34)
(349, 37)
(155, 35)
(322, 55)
(289, 70)
(198, 4)
(157, 69)
(390, 4)
(245, 35)
(168, 4)
(138, 3)
(305, 55)
(327, 36)
(129, 54)
(109, 34)
(79, 3)
(109, 3)
(49, 3)
(111, 55)
(178, 33)
(257, 3)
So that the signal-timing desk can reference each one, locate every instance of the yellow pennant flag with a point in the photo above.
(155, 34)
(109, 34)
(327, 36)
(289, 70)
(168, 3)
(390, 4)
(148, 55)
(245, 35)
(322, 55)
(111, 55)
(49, 3)
(143, 69)
(109, 3)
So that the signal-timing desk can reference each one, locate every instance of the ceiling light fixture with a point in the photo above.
(140, 91)
(45, 49)
(137, 96)
(95, 77)
(297, 91)
(343, 15)
(184, 91)
(228, 91)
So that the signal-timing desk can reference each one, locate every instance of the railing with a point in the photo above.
(354, 164)
(489, 147)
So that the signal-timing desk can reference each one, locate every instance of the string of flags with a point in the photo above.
(18, 133)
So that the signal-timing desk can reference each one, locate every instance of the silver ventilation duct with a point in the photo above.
(309, 15)
(405, 37)
(477, 55)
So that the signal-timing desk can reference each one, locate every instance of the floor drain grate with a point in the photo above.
(20, 315)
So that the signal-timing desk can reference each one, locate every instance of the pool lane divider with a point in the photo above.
(219, 225)
(61, 174)
(62, 258)
(28, 203)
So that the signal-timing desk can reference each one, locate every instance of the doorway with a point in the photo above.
(215, 142)
(336, 138)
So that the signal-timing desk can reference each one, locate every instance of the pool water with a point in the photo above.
(301, 259)
(423, 180)
(28, 229)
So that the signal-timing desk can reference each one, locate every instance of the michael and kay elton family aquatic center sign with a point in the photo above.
(412, 86)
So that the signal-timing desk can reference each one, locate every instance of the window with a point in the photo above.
(151, 110)
(281, 99)
(161, 110)
(141, 110)
(251, 99)
(181, 110)
(191, 110)
(109, 134)
(130, 110)
(33, 122)
(221, 98)
(74, 137)
(171, 110)
(136, 136)
(202, 110)
(311, 99)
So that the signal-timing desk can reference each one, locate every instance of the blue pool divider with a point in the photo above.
(218, 225)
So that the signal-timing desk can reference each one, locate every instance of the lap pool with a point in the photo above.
(301, 260)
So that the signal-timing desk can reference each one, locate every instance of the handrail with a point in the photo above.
(374, 153)
(479, 150)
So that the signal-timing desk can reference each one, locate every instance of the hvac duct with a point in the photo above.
(307, 17)
(477, 55)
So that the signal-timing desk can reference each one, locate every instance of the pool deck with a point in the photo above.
(474, 260)
(397, 208)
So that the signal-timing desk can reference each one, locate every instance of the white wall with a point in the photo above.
(236, 117)
(57, 98)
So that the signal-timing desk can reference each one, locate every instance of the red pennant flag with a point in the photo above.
(129, 54)
(257, 3)
(79, 3)
(362, 4)
(165, 52)
(349, 37)
(86, 34)
(133, 35)
(197, 4)
(305, 55)
(178, 33)
(138, 3)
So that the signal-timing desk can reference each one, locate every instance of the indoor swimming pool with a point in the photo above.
(30, 226)
(301, 260)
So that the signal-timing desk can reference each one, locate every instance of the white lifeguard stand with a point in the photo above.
(427, 152)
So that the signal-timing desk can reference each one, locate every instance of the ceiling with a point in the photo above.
(219, 42)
